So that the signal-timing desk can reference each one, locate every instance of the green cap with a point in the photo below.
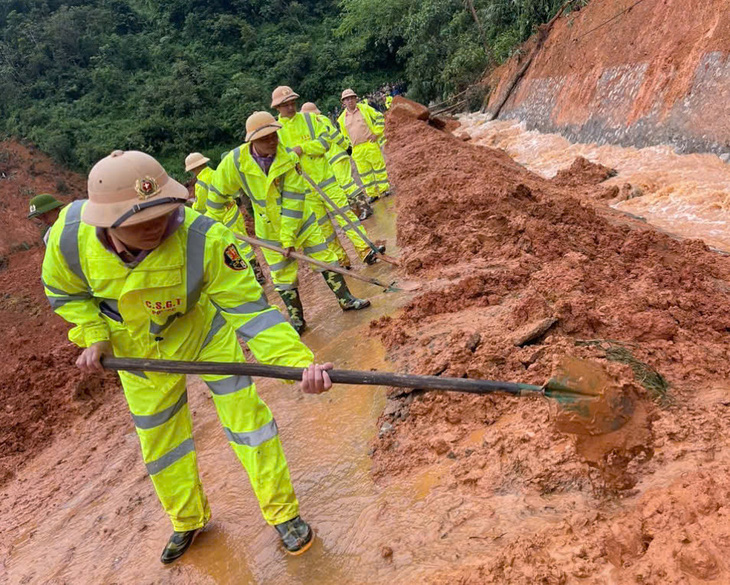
(43, 203)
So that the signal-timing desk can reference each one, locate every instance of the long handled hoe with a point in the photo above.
(261, 244)
(580, 399)
(350, 224)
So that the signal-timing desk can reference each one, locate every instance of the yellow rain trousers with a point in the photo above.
(306, 131)
(368, 156)
(231, 217)
(187, 300)
(283, 205)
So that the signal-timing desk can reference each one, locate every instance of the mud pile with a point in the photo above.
(524, 271)
(40, 389)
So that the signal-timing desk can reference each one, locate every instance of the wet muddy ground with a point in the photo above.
(518, 271)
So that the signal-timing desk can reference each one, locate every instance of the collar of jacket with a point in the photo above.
(283, 163)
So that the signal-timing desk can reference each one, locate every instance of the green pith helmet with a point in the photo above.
(43, 203)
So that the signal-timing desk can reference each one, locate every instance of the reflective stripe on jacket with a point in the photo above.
(308, 132)
(338, 143)
(279, 198)
(374, 119)
(168, 305)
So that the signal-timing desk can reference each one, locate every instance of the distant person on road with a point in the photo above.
(283, 211)
(364, 127)
(140, 275)
(341, 164)
(307, 137)
(45, 209)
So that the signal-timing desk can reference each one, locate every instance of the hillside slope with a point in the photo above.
(634, 73)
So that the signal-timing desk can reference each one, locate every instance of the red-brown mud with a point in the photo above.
(505, 250)
(40, 389)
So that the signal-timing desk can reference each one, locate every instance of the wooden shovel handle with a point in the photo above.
(323, 265)
(337, 376)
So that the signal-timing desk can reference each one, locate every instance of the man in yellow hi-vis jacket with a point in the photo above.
(307, 137)
(283, 207)
(140, 275)
(364, 128)
(341, 163)
(232, 218)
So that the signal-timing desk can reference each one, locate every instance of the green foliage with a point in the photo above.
(81, 79)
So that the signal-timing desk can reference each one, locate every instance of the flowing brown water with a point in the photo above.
(685, 194)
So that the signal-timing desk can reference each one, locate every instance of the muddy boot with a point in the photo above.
(296, 535)
(348, 302)
(371, 257)
(365, 209)
(177, 545)
(257, 272)
(294, 307)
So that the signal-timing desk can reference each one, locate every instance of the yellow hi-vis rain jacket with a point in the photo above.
(374, 119)
(231, 217)
(282, 205)
(187, 300)
(307, 131)
(368, 156)
(338, 158)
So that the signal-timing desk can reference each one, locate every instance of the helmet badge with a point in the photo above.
(146, 188)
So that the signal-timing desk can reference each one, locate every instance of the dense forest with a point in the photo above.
(81, 78)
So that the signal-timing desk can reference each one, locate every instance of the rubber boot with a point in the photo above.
(296, 535)
(348, 302)
(257, 272)
(177, 545)
(365, 209)
(371, 257)
(294, 307)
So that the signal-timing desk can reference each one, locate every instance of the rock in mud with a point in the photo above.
(385, 429)
(532, 331)
(410, 108)
(584, 172)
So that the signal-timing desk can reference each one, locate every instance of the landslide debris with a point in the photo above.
(508, 252)
(41, 391)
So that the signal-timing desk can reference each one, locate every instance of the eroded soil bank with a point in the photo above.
(627, 72)
(525, 271)
(41, 392)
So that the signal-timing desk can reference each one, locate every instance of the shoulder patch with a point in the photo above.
(233, 259)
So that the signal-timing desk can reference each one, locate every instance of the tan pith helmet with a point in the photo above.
(310, 107)
(195, 160)
(347, 93)
(260, 124)
(282, 94)
(130, 187)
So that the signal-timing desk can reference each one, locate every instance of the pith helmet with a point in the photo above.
(260, 124)
(282, 94)
(310, 107)
(130, 187)
(41, 204)
(347, 93)
(195, 160)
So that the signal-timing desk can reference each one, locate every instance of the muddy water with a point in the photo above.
(688, 195)
(85, 512)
